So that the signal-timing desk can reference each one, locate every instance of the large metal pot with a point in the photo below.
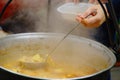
(74, 51)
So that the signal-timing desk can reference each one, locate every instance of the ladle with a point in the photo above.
(42, 64)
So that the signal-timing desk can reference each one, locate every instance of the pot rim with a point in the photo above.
(42, 34)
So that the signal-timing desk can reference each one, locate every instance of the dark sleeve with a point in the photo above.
(116, 5)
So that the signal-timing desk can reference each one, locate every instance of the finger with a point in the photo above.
(83, 22)
(79, 18)
(86, 14)
(92, 22)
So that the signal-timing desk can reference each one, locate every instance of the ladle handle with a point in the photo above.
(62, 40)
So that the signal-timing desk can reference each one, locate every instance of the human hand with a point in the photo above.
(95, 20)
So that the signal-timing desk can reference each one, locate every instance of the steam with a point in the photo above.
(42, 16)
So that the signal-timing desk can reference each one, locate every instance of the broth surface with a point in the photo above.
(11, 58)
